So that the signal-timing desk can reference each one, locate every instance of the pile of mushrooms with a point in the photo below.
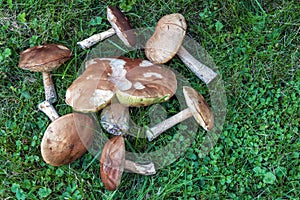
(113, 85)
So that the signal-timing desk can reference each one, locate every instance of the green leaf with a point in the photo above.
(219, 26)
(44, 192)
(269, 178)
(21, 17)
(96, 21)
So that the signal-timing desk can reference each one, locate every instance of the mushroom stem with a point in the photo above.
(47, 108)
(49, 88)
(144, 169)
(87, 43)
(156, 130)
(205, 73)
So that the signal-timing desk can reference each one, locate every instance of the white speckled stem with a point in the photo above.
(158, 129)
(205, 73)
(144, 169)
(47, 108)
(87, 43)
(50, 93)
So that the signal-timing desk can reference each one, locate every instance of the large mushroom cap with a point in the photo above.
(67, 139)
(199, 108)
(44, 58)
(112, 162)
(91, 91)
(120, 23)
(167, 38)
(136, 82)
(148, 83)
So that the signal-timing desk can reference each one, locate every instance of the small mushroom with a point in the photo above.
(197, 107)
(66, 138)
(45, 58)
(120, 26)
(166, 42)
(136, 82)
(113, 163)
(115, 119)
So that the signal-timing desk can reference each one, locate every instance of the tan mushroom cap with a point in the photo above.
(121, 25)
(112, 162)
(91, 91)
(67, 139)
(199, 108)
(167, 38)
(148, 83)
(44, 58)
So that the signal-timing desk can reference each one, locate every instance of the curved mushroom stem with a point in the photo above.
(144, 169)
(205, 73)
(49, 88)
(87, 43)
(156, 130)
(47, 108)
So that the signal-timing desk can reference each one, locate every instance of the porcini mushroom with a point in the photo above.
(167, 41)
(113, 163)
(115, 118)
(45, 58)
(197, 107)
(136, 82)
(120, 26)
(67, 137)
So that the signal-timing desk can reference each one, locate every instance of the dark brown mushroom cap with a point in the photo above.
(199, 108)
(121, 25)
(44, 58)
(112, 162)
(167, 38)
(148, 84)
(67, 139)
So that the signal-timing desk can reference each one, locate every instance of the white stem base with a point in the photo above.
(156, 130)
(87, 43)
(47, 108)
(146, 169)
(203, 72)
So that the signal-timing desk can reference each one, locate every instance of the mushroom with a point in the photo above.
(45, 58)
(197, 107)
(135, 82)
(115, 119)
(113, 163)
(166, 42)
(66, 138)
(120, 26)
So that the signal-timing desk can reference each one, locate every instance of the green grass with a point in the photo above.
(255, 45)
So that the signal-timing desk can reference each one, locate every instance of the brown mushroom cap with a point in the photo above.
(121, 25)
(67, 139)
(199, 108)
(136, 82)
(148, 84)
(167, 38)
(112, 162)
(91, 91)
(44, 58)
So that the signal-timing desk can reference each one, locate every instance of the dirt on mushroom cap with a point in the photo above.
(44, 58)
